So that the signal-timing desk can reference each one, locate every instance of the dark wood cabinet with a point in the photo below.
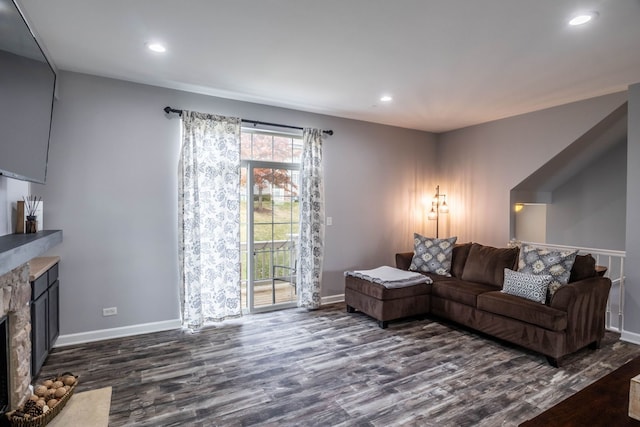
(39, 342)
(45, 320)
(53, 327)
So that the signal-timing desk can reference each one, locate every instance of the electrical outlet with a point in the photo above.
(111, 311)
(329, 220)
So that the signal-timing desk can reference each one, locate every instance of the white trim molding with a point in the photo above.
(124, 331)
(332, 299)
(631, 337)
(145, 328)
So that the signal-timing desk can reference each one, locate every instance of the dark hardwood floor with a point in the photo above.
(328, 368)
(604, 403)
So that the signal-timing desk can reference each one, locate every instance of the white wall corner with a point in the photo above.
(125, 331)
(631, 337)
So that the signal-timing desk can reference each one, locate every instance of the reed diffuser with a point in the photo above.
(31, 204)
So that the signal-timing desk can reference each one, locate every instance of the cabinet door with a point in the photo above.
(39, 286)
(39, 341)
(53, 315)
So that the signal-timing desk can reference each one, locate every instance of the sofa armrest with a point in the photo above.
(585, 303)
(403, 260)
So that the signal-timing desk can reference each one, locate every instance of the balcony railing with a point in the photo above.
(614, 261)
(270, 285)
(267, 254)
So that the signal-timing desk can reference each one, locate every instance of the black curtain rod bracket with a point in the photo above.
(169, 110)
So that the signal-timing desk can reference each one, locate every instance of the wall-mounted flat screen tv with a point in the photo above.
(27, 85)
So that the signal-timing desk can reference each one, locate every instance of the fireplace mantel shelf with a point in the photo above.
(17, 249)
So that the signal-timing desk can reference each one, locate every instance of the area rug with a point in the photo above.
(89, 408)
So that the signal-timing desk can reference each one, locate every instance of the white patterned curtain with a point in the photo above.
(311, 246)
(209, 218)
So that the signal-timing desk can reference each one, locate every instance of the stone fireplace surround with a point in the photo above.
(15, 293)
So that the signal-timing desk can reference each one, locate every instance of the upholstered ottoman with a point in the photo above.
(386, 304)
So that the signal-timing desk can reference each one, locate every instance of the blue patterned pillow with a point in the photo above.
(529, 286)
(432, 255)
(557, 264)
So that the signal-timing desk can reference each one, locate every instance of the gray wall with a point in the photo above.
(112, 188)
(632, 265)
(479, 165)
(11, 190)
(531, 223)
(589, 210)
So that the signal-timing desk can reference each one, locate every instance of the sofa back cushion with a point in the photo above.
(584, 267)
(486, 264)
(403, 260)
(459, 258)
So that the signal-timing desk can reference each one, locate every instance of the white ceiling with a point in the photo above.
(447, 63)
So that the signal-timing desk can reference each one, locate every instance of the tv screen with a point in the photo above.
(27, 85)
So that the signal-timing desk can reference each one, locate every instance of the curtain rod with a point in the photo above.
(254, 122)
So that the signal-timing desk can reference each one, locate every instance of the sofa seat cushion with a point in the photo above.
(523, 309)
(459, 290)
(378, 291)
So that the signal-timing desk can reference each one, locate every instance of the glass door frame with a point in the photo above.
(250, 165)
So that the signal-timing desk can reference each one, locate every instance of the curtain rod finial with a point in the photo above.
(170, 110)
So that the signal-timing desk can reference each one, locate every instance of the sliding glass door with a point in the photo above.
(269, 234)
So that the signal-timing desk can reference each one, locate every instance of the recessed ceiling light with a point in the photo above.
(583, 18)
(156, 47)
(386, 98)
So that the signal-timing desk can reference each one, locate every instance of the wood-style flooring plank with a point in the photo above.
(328, 368)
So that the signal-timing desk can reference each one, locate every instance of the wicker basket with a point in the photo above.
(44, 419)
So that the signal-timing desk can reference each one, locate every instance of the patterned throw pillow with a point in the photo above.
(432, 255)
(557, 264)
(529, 286)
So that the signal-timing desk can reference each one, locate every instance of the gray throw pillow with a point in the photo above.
(534, 260)
(529, 286)
(432, 255)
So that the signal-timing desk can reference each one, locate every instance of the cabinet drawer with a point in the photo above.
(53, 274)
(38, 286)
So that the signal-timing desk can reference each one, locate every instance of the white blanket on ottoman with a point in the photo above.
(390, 277)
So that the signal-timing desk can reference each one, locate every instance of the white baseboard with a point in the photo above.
(631, 337)
(331, 299)
(125, 331)
(145, 328)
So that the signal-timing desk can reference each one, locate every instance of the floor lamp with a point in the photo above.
(438, 206)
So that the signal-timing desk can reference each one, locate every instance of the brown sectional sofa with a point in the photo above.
(572, 319)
